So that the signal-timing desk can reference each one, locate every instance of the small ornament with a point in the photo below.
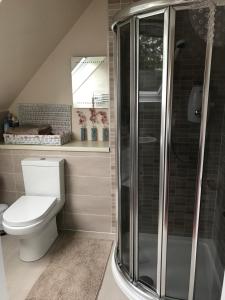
(82, 123)
(105, 130)
(93, 119)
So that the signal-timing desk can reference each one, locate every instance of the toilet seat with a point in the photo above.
(28, 210)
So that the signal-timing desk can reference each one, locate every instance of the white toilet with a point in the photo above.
(32, 218)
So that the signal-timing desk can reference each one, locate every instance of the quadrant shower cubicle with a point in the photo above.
(171, 148)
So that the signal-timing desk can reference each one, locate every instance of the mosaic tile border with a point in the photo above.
(59, 116)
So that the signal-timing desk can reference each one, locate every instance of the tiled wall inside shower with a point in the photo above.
(185, 134)
(215, 149)
(149, 159)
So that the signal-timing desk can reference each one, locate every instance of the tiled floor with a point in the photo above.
(21, 276)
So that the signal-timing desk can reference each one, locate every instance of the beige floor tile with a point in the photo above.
(21, 276)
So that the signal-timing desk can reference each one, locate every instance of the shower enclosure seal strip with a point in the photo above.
(133, 188)
(163, 167)
(136, 153)
(115, 67)
(169, 96)
(117, 37)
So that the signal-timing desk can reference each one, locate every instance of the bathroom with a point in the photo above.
(124, 198)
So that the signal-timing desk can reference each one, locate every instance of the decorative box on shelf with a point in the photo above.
(54, 140)
(58, 116)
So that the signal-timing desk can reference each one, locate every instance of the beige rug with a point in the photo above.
(75, 271)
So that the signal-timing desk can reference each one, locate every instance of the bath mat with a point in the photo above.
(75, 271)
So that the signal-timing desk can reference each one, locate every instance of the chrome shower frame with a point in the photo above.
(132, 15)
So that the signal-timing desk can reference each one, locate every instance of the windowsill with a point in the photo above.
(74, 146)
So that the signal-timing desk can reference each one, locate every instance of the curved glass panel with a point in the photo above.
(211, 236)
(190, 32)
(124, 121)
(189, 65)
(151, 30)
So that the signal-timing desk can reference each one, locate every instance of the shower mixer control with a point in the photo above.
(198, 112)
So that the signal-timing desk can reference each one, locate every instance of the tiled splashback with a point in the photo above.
(59, 116)
(87, 186)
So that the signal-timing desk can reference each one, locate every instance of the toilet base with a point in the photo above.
(35, 246)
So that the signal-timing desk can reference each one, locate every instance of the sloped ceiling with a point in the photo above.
(29, 32)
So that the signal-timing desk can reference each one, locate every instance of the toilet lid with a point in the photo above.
(28, 210)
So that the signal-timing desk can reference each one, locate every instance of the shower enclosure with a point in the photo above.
(171, 149)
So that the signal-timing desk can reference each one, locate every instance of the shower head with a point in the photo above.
(179, 45)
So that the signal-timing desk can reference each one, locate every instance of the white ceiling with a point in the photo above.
(29, 32)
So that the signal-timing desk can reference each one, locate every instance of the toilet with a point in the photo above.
(32, 218)
(3, 207)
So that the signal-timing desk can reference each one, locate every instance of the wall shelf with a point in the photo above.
(74, 146)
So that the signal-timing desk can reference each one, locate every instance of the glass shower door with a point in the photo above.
(211, 235)
(164, 72)
(187, 82)
(124, 147)
(139, 249)
(150, 119)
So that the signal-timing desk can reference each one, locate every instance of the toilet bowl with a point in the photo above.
(32, 218)
(3, 207)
